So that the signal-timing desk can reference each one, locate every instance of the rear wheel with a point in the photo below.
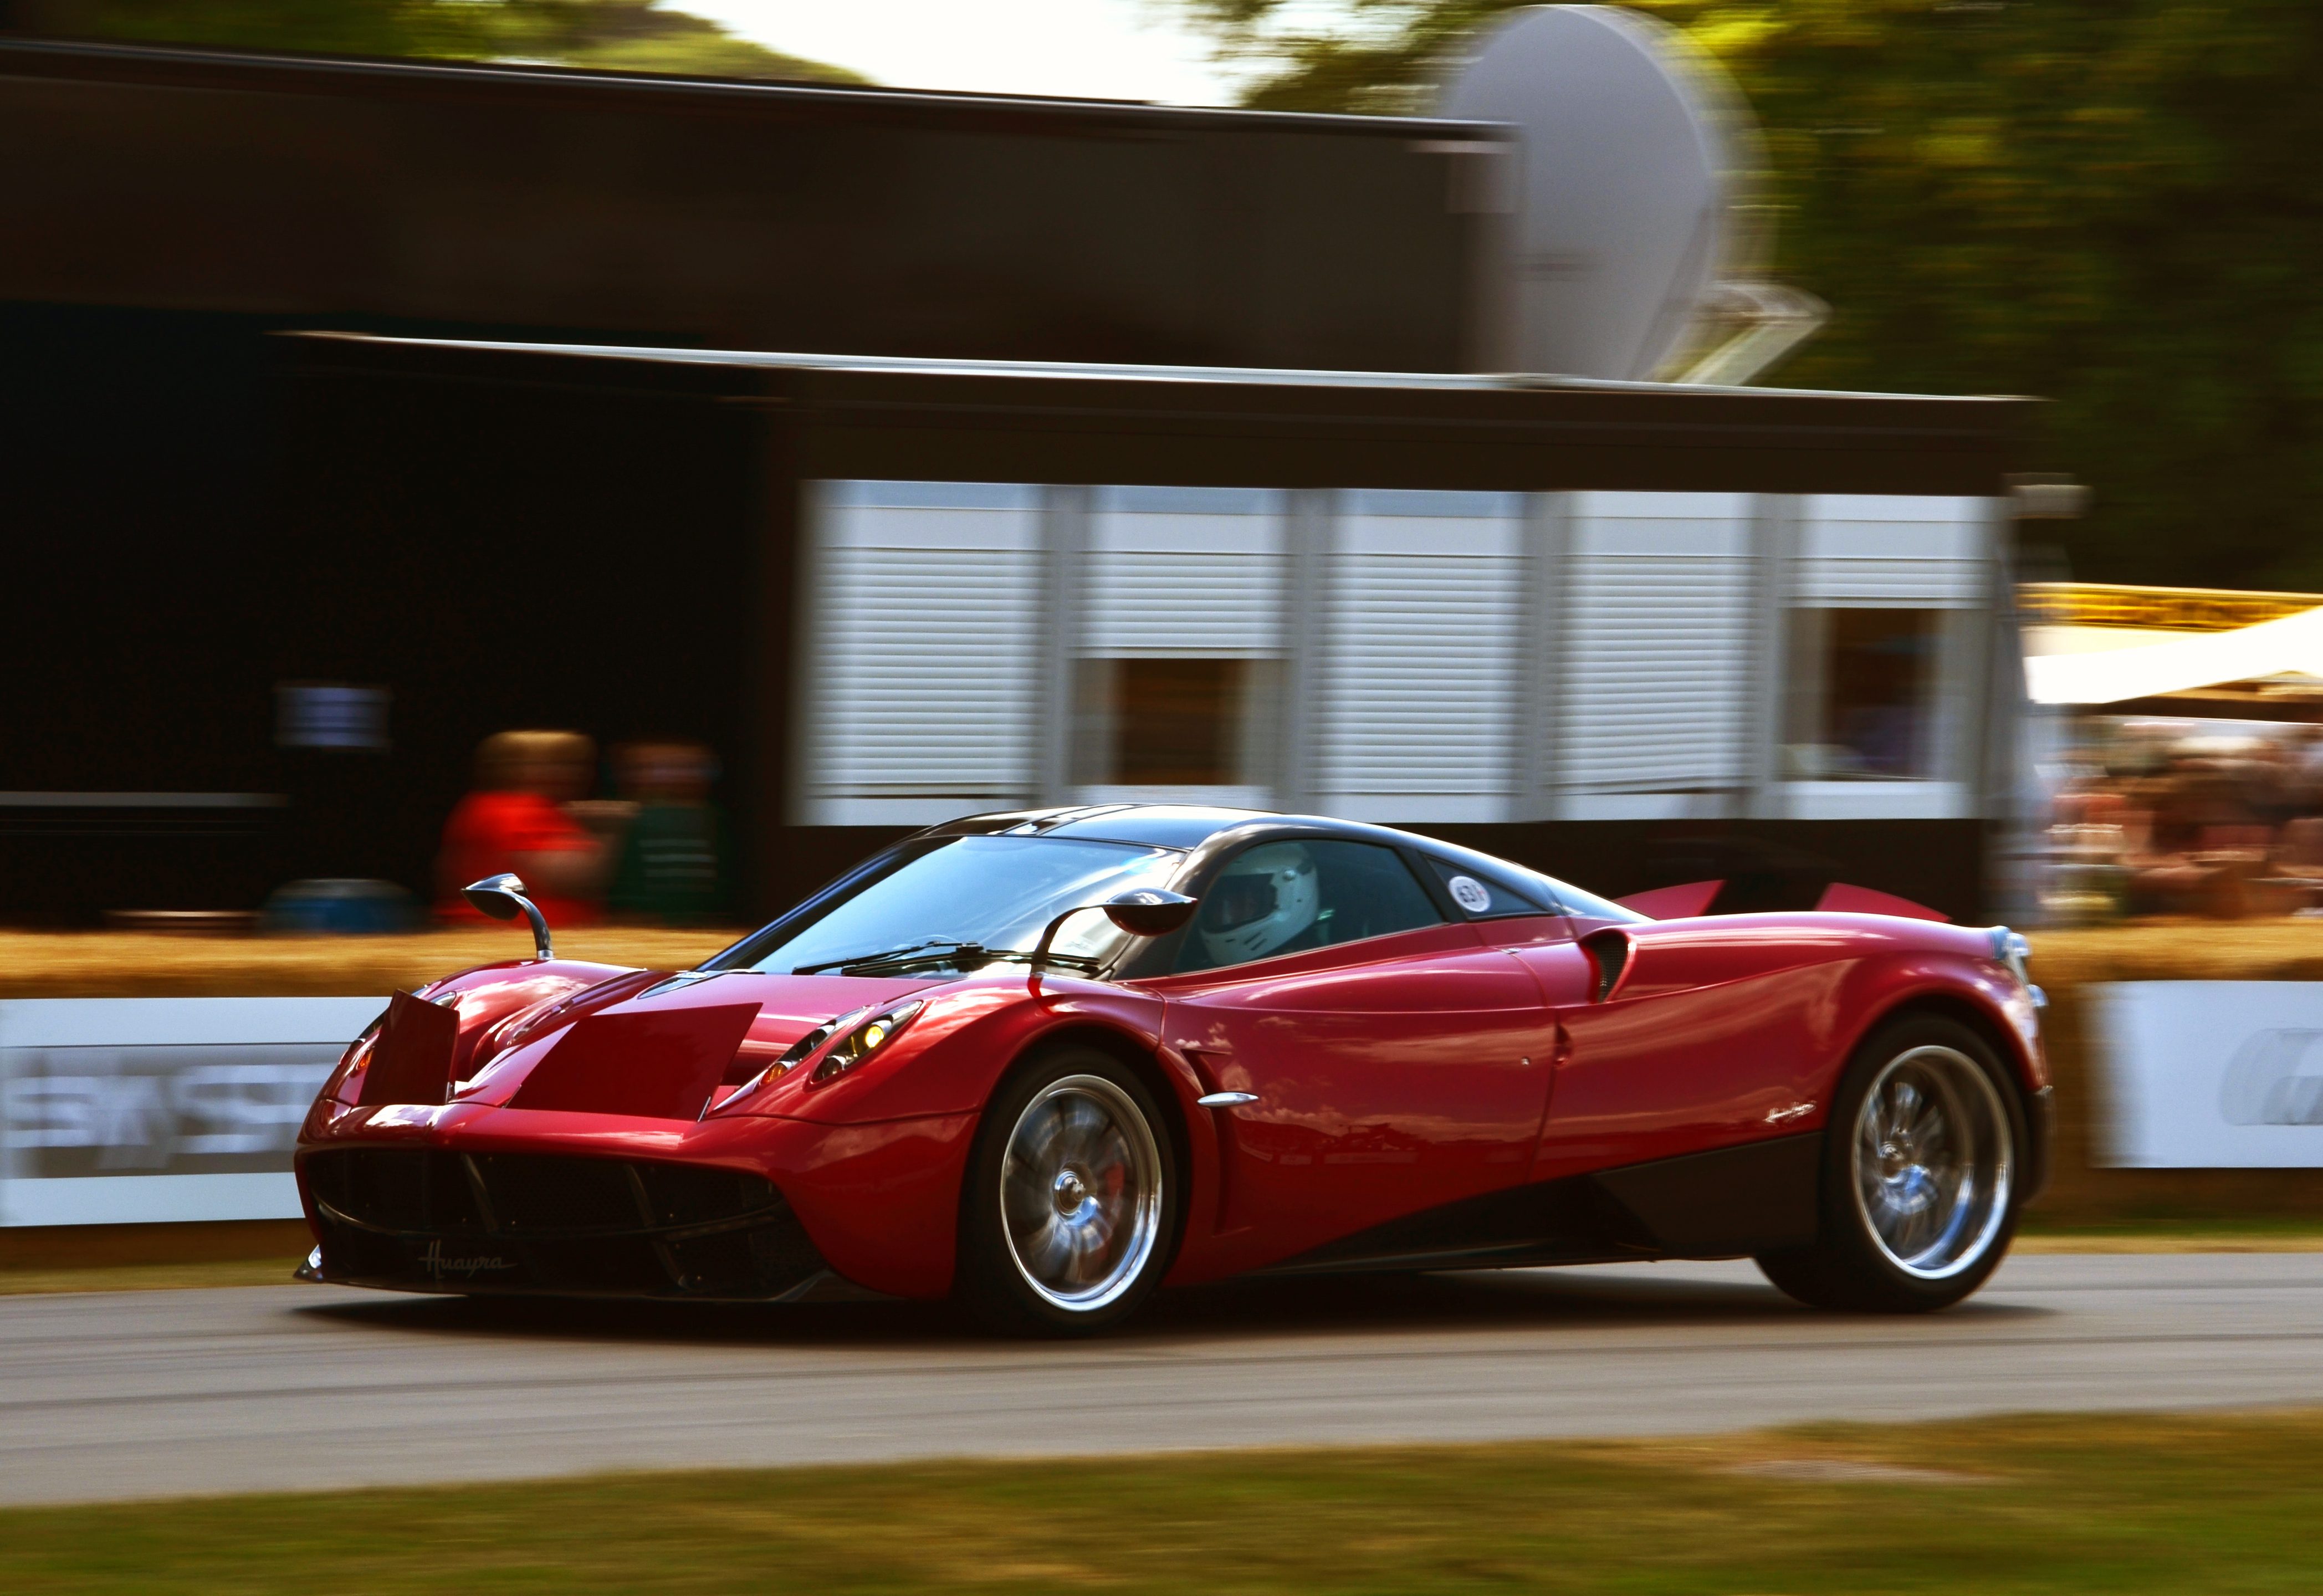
(1071, 1199)
(1919, 1188)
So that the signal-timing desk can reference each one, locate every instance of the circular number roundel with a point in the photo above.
(1470, 893)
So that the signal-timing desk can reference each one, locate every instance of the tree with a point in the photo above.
(2115, 204)
(621, 36)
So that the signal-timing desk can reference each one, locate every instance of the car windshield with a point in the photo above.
(950, 902)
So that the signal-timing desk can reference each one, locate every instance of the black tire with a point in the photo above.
(1070, 1209)
(1919, 1196)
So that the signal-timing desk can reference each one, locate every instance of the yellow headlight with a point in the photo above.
(867, 1040)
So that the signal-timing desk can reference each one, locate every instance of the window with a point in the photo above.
(1863, 703)
(1179, 634)
(1288, 897)
(1171, 723)
(1395, 656)
(1484, 893)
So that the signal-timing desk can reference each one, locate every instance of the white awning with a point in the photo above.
(2291, 646)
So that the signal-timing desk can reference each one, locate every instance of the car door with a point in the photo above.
(1681, 1066)
(1395, 1063)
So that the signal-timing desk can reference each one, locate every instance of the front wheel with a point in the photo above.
(1919, 1188)
(1071, 1199)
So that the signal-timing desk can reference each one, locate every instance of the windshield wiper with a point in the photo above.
(968, 956)
(1000, 955)
(948, 944)
(944, 948)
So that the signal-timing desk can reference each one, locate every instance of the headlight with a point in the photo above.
(864, 1040)
(804, 1048)
(2013, 950)
(358, 1053)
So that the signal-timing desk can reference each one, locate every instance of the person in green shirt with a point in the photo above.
(673, 865)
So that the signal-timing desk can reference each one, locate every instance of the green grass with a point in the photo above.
(2173, 1233)
(2062, 1504)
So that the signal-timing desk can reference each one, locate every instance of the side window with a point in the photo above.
(1288, 897)
(1482, 896)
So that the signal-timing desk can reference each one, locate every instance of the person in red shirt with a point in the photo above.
(516, 819)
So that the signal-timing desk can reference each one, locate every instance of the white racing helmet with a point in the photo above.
(1260, 902)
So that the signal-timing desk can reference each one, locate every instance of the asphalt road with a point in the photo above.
(304, 1388)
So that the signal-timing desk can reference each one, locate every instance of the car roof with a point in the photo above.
(1157, 825)
(1205, 831)
(1161, 825)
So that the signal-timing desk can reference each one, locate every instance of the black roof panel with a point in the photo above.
(1158, 825)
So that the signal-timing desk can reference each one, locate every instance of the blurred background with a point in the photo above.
(1761, 449)
(247, 653)
(590, 437)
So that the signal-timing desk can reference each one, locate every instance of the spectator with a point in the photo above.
(2187, 816)
(672, 862)
(517, 818)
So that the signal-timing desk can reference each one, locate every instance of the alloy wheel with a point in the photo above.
(1933, 1161)
(1080, 1193)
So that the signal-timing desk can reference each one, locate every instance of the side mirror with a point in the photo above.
(502, 897)
(1149, 912)
(1142, 912)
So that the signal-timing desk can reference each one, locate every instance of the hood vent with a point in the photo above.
(658, 1063)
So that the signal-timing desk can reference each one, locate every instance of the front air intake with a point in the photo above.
(425, 1219)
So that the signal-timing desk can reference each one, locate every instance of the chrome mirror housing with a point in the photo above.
(502, 897)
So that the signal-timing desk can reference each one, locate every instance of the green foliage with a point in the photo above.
(2154, 1504)
(2115, 204)
(616, 35)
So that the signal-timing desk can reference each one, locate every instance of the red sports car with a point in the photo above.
(1049, 1061)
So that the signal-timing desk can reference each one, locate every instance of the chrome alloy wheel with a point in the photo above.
(1933, 1159)
(1080, 1193)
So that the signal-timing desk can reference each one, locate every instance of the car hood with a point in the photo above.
(652, 1043)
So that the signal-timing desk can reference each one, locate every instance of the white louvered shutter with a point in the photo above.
(1426, 595)
(918, 651)
(1184, 572)
(1891, 551)
(1657, 618)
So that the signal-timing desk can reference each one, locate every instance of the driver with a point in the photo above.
(1267, 901)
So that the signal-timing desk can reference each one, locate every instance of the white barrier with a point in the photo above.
(137, 1110)
(2209, 1074)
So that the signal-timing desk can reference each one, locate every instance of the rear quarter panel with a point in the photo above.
(1730, 1030)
